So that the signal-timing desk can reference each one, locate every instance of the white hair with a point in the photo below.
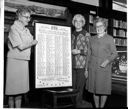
(78, 16)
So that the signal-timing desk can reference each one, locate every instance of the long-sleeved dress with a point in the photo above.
(99, 78)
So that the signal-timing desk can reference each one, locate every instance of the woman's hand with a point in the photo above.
(105, 63)
(75, 51)
(34, 42)
(27, 45)
(86, 73)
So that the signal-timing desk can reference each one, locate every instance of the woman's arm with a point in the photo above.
(87, 59)
(84, 51)
(27, 45)
(88, 53)
(16, 41)
(113, 53)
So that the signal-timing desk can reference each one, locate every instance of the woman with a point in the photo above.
(101, 53)
(80, 38)
(20, 42)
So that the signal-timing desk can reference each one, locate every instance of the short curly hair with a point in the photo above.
(23, 10)
(99, 19)
(78, 16)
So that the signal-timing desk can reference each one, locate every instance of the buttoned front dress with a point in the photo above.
(100, 49)
(17, 75)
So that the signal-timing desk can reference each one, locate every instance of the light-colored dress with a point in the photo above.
(100, 49)
(17, 75)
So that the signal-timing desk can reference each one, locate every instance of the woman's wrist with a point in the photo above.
(86, 69)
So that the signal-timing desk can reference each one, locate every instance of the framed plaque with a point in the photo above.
(53, 65)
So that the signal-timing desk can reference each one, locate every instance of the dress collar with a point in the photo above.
(78, 32)
(101, 36)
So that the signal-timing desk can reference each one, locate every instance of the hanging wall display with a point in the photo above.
(40, 9)
(53, 67)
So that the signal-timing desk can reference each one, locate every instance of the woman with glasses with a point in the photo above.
(101, 53)
(20, 42)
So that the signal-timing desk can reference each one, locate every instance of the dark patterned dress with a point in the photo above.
(79, 41)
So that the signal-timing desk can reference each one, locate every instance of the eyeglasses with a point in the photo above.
(27, 17)
(78, 21)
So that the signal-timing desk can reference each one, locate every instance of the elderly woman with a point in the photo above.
(101, 53)
(80, 38)
(20, 42)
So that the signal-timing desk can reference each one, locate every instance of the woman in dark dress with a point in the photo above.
(101, 53)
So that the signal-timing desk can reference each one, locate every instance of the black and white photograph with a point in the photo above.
(63, 54)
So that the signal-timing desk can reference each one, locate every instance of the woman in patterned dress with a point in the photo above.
(20, 42)
(80, 39)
